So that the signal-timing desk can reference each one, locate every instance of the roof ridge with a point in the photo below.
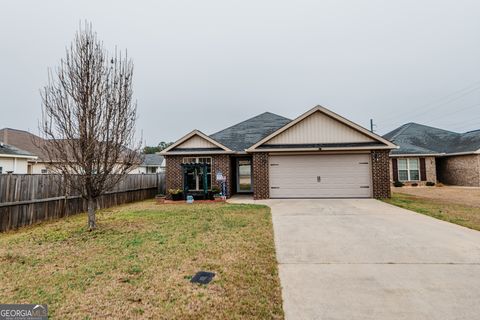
(405, 126)
(401, 129)
(20, 130)
(258, 115)
(471, 131)
(437, 128)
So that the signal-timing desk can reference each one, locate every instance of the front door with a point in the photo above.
(244, 175)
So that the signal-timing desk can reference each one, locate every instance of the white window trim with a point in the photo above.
(408, 170)
(197, 181)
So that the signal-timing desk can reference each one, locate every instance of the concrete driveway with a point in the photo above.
(364, 259)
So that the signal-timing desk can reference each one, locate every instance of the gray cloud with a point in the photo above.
(210, 64)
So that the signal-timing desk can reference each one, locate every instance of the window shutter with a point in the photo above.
(423, 170)
(395, 169)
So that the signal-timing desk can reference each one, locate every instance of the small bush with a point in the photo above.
(430, 184)
(175, 191)
(398, 184)
(414, 184)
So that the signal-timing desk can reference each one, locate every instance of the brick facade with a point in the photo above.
(381, 174)
(430, 168)
(260, 169)
(261, 183)
(460, 170)
(174, 174)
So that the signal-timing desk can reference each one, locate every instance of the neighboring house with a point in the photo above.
(318, 155)
(29, 142)
(14, 160)
(152, 163)
(435, 155)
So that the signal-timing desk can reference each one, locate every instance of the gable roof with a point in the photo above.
(11, 151)
(246, 133)
(414, 138)
(153, 159)
(176, 147)
(23, 140)
(376, 140)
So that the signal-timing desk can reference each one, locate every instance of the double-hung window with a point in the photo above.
(408, 169)
(195, 176)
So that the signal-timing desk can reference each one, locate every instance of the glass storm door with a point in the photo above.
(244, 175)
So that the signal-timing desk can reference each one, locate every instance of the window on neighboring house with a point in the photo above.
(152, 169)
(408, 169)
(44, 171)
(1, 170)
(195, 177)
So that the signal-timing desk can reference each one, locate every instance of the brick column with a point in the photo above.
(173, 173)
(261, 184)
(381, 174)
(221, 163)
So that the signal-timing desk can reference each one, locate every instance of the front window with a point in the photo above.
(195, 176)
(408, 169)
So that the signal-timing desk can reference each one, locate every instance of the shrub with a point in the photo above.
(175, 191)
(398, 184)
(430, 184)
(414, 184)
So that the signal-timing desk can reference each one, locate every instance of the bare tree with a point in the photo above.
(88, 118)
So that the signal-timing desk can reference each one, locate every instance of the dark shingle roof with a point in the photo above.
(11, 150)
(152, 160)
(245, 134)
(414, 138)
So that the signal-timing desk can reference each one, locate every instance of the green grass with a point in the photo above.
(139, 262)
(463, 215)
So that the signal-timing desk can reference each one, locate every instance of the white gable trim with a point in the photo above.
(388, 144)
(190, 135)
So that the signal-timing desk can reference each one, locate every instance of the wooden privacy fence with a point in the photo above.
(26, 199)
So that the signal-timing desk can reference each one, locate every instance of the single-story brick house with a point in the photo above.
(318, 155)
(436, 155)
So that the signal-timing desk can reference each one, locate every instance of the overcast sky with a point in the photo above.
(209, 64)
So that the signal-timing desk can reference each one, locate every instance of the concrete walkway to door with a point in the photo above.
(364, 259)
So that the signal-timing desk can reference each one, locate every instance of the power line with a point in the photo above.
(441, 101)
(454, 111)
(461, 125)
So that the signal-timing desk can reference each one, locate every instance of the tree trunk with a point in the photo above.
(92, 224)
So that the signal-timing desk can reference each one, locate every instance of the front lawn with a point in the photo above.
(462, 214)
(139, 262)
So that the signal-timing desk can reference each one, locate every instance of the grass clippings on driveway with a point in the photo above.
(139, 262)
(464, 215)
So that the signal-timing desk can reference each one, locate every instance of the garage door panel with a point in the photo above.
(341, 176)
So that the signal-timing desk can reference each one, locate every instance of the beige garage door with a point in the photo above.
(320, 176)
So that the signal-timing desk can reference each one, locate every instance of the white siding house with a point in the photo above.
(14, 160)
(152, 163)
